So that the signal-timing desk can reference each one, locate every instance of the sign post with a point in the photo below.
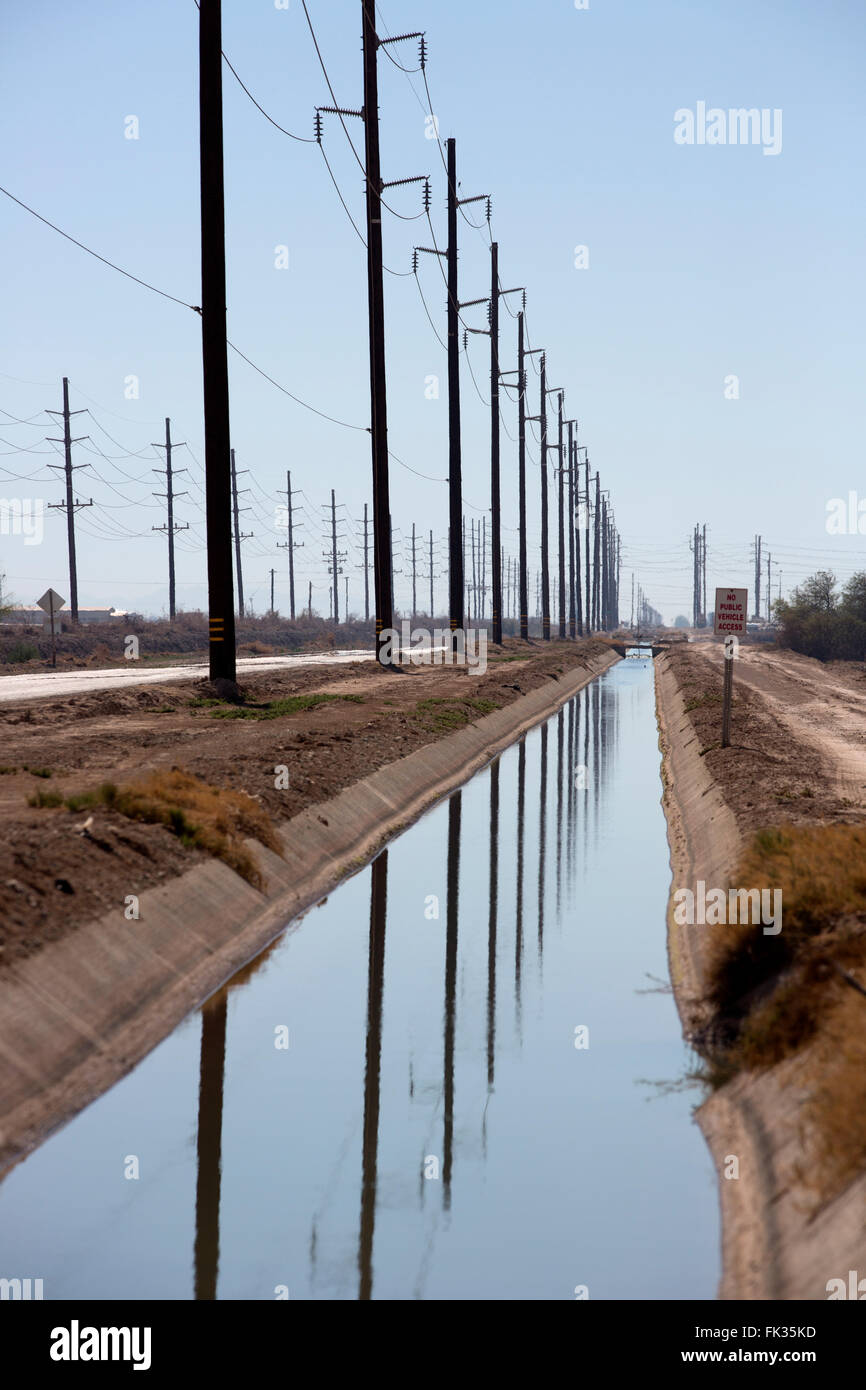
(51, 603)
(729, 621)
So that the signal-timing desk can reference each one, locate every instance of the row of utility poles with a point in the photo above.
(601, 606)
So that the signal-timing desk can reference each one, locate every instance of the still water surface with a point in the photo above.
(432, 1131)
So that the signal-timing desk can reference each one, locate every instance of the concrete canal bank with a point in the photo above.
(79, 1015)
(779, 1241)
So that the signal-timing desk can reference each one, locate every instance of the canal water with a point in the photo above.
(451, 1080)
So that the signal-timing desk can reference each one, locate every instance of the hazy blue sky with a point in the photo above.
(705, 261)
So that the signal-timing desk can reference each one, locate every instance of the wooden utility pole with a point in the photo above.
(758, 577)
(521, 479)
(455, 480)
(596, 555)
(214, 349)
(71, 504)
(290, 543)
(272, 591)
(590, 626)
(572, 615)
(414, 563)
(239, 535)
(561, 521)
(495, 535)
(169, 495)
(382, 566)
(545, 570)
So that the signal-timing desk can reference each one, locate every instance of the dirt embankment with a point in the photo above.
(91, 987)
(797, 760)
(60, 867)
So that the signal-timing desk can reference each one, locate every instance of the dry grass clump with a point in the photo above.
(772, 988)
(773, 994)
(835, 1115)
(203, 817)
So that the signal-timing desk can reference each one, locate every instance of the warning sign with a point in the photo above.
(731, 611)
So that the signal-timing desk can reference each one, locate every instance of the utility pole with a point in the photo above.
(758, 577)
(455, 481)
(414, 593)
(704, 573)
(239, 536)
(561, 519)
(272, 591)
(169, 495)
(521, 485)
(366, 568)
(214, 350)
(545, 570)
(590, 626)
(572, 617)
(310, 599)
(495, 535)
(72, 503)
(335, 557)
(431, 576)
(769, 587)
(290, 543)
(596, 552)
(382, 563)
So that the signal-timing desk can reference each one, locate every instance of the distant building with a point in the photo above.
(33, 615)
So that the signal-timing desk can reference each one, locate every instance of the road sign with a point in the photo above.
(730, 613)
(52, 603)
(51, 600)
(729, 620)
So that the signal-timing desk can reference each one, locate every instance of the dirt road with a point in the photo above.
(821, 705)
(48, 684)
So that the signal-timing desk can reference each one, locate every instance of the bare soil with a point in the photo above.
(798, 733)
(60, 868)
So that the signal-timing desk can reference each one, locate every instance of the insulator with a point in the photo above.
(426, 195)
(319, 127)
(422, 52)
(489, 208)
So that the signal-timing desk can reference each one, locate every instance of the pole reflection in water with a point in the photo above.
(493, 893)
(375, 988)
(209, 1145)
(554, 1170)
(518, 932)
(453, 879)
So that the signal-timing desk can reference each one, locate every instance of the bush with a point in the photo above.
(22, 651)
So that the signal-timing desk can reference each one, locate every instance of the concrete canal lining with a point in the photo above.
(86, 1009)
(775, 1243)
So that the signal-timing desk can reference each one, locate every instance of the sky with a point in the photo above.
(709, 339)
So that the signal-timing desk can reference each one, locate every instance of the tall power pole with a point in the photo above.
(596, 555)
(561, 521)
(290, 543)
(590, 625)
(521, 479)
(239, 535)
(455, 479)
(431, 576)
(334, 559)
(495, 539)
(366, 567)
(214, 349)
(545, 568)
(382, 580)
(704, 572)
(572, 615)
(71, 504)
(758, 577)
(169, 495)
